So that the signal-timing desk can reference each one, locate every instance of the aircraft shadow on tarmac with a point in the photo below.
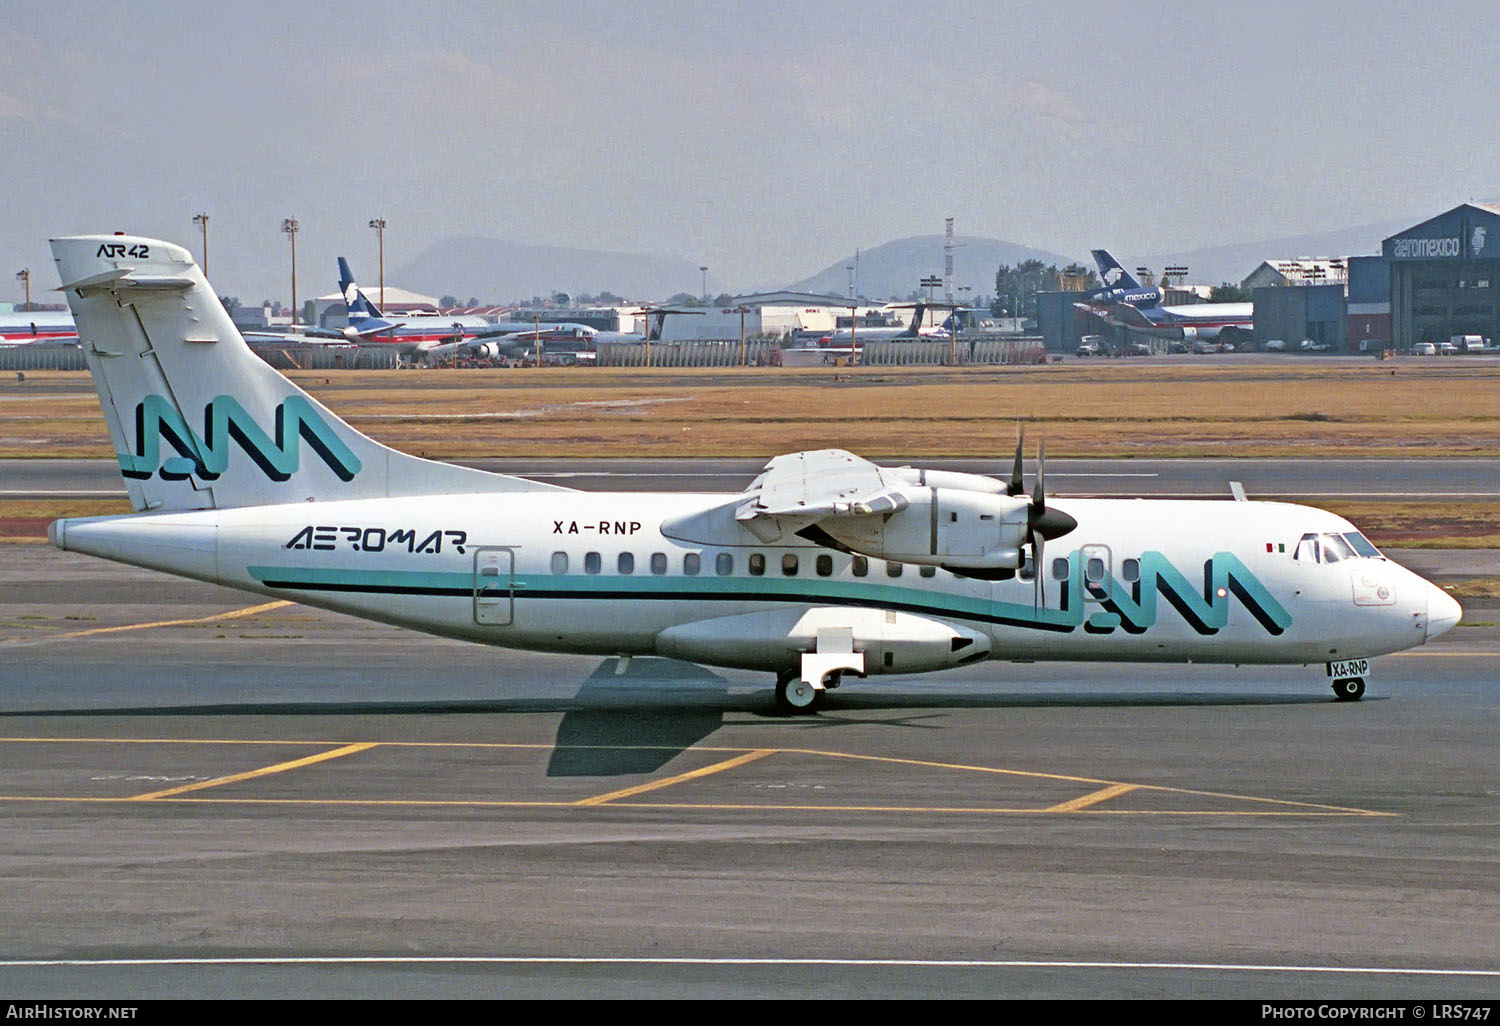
(636, 719)
(619, 730)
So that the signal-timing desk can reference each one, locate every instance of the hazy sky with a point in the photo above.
(763, 139)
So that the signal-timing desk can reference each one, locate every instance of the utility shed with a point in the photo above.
(1445, 276)
(1313, 312)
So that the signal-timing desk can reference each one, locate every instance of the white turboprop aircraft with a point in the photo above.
(826, 566)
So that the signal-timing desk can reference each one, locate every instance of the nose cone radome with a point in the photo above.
(1443, 612)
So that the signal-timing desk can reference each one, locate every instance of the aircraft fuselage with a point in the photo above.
(1138, 580)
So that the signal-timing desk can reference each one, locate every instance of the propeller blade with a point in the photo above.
(1038, 547)
(1017, 486)
(1039, 493)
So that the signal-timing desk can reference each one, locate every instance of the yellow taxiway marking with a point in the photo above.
(234, 778)
(1093, 798)
(656, 785)
(233, 614)
(1105, 789)
(1313, 812)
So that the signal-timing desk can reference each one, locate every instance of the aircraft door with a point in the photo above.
(1097, 576)
(494, 586)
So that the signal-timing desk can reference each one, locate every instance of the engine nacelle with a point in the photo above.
(942, 526)
(948, 479)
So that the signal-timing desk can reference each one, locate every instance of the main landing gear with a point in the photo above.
(1349, 689)
(795, 697)
(801, 690)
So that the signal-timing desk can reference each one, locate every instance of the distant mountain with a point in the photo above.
(498, 271)
(1213, 264)
(895, 268)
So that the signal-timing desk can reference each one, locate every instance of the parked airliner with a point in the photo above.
(30, 327)
(414, 334)
(1126, 303)
(826, 567)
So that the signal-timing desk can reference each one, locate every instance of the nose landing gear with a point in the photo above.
(1349, 689)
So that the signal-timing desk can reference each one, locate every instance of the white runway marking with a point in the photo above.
(908, 963)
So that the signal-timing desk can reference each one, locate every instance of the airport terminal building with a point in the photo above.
(1445, 276)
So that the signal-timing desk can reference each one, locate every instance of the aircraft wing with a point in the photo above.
(372, 326)
(820, 483)
(1119, 313)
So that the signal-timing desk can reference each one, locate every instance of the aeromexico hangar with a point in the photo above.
(1445, 276)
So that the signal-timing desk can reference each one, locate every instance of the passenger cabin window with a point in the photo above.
(626, 563)
(658, 562)
(724, 564)
(691, 564)
(591, 562)
(1060, 568)
(1130, 570)
(860, 566)
(824, 565)
(1093, 570)
(1027, 570)
(757, 564)
(559, 562)
(894, 569)
(927, 571)
(789, 565)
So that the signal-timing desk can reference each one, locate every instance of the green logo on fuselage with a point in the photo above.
(1131, 605)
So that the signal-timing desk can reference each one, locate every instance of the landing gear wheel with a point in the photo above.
(1349, 689)
(793, 697)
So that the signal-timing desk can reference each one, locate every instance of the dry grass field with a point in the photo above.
(1183, 407)
(1297, 406)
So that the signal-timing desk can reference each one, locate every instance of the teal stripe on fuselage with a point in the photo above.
(675, 588)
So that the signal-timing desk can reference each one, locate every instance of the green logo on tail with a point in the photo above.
(226, 421)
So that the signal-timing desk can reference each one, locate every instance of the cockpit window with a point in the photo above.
(1362, 545)
(1307, 549)
(1335, 549)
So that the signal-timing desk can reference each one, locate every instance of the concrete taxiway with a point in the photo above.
(205, 794)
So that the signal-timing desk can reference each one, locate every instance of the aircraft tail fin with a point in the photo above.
(198, 421)
(1111, 273)
(358, 303)
(918, 315)
(365, 318)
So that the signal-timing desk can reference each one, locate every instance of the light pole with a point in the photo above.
(201, 220)
(290, 226)
(24, 277)
(379, 225)
(742, 311)
(964, 301)
(704, 271)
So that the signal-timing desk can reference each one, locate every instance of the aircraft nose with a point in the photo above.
(1443, 612)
